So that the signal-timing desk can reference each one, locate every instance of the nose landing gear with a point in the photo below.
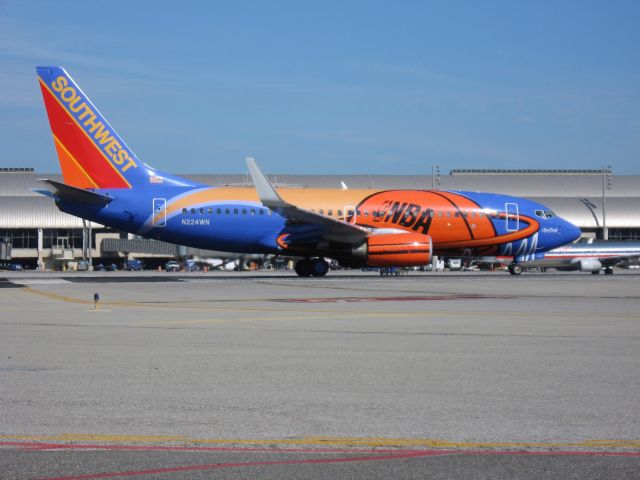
(317, 267)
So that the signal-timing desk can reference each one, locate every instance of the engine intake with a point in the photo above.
(589, 264)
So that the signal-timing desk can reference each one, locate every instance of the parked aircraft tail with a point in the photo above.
(90, 151)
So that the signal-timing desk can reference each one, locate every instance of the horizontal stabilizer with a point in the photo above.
(46, 193)
(75, 194)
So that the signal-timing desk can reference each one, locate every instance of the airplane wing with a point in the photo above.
(75, 194)
(329, 228)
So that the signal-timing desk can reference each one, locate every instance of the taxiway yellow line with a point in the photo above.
(329, 441)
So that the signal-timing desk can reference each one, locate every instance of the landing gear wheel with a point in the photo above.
(515, 269)
(608, 271)
(595, 272)
(304, 268)
(319, 267)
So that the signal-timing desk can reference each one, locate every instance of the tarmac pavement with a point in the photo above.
(237, 375)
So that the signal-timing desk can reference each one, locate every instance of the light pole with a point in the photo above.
(435, 177)
(606, 185)
(435, 185)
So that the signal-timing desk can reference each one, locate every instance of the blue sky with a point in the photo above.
(335, 87)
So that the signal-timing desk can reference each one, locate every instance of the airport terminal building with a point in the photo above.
(34, 232)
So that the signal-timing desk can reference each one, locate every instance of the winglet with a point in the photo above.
(266, 191)
(333, 228)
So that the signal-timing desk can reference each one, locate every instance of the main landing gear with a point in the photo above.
(607, 271)
(515, 269)
(306, 267)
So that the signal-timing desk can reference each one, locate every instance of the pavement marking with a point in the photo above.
(204, 305)
(346, 457)
(372, 442)
(363, 316)
(42, 281)
(191, 304)
(218, 466)
(327, 457)
(308, 461)
(55, 296)
(368, 280)
(404, 298)
(430, 313)
(40, 446)
(307, 316)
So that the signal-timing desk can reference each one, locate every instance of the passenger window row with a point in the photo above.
(432, 213)
(226, 211)
(349, 212)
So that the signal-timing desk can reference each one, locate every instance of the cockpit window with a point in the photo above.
(545, 214)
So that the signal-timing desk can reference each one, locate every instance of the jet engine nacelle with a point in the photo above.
(398, 250)
(589, 264)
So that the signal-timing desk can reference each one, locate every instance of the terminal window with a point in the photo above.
(20, 237)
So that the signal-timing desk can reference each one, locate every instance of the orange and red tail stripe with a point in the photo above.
(83, 164)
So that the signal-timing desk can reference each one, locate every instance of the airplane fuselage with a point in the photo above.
(589, 256)
(233, 218)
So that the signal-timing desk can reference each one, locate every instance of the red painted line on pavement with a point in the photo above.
(215, 466)
(374, 455)
(560, 453)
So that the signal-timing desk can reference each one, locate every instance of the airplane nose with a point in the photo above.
(569, 232)
(559, 233)
(573, 233)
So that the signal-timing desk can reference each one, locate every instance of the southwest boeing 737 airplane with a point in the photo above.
(106, 183)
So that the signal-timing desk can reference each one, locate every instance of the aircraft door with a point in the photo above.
(350, 218)
(159, 212)
(512, 218)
